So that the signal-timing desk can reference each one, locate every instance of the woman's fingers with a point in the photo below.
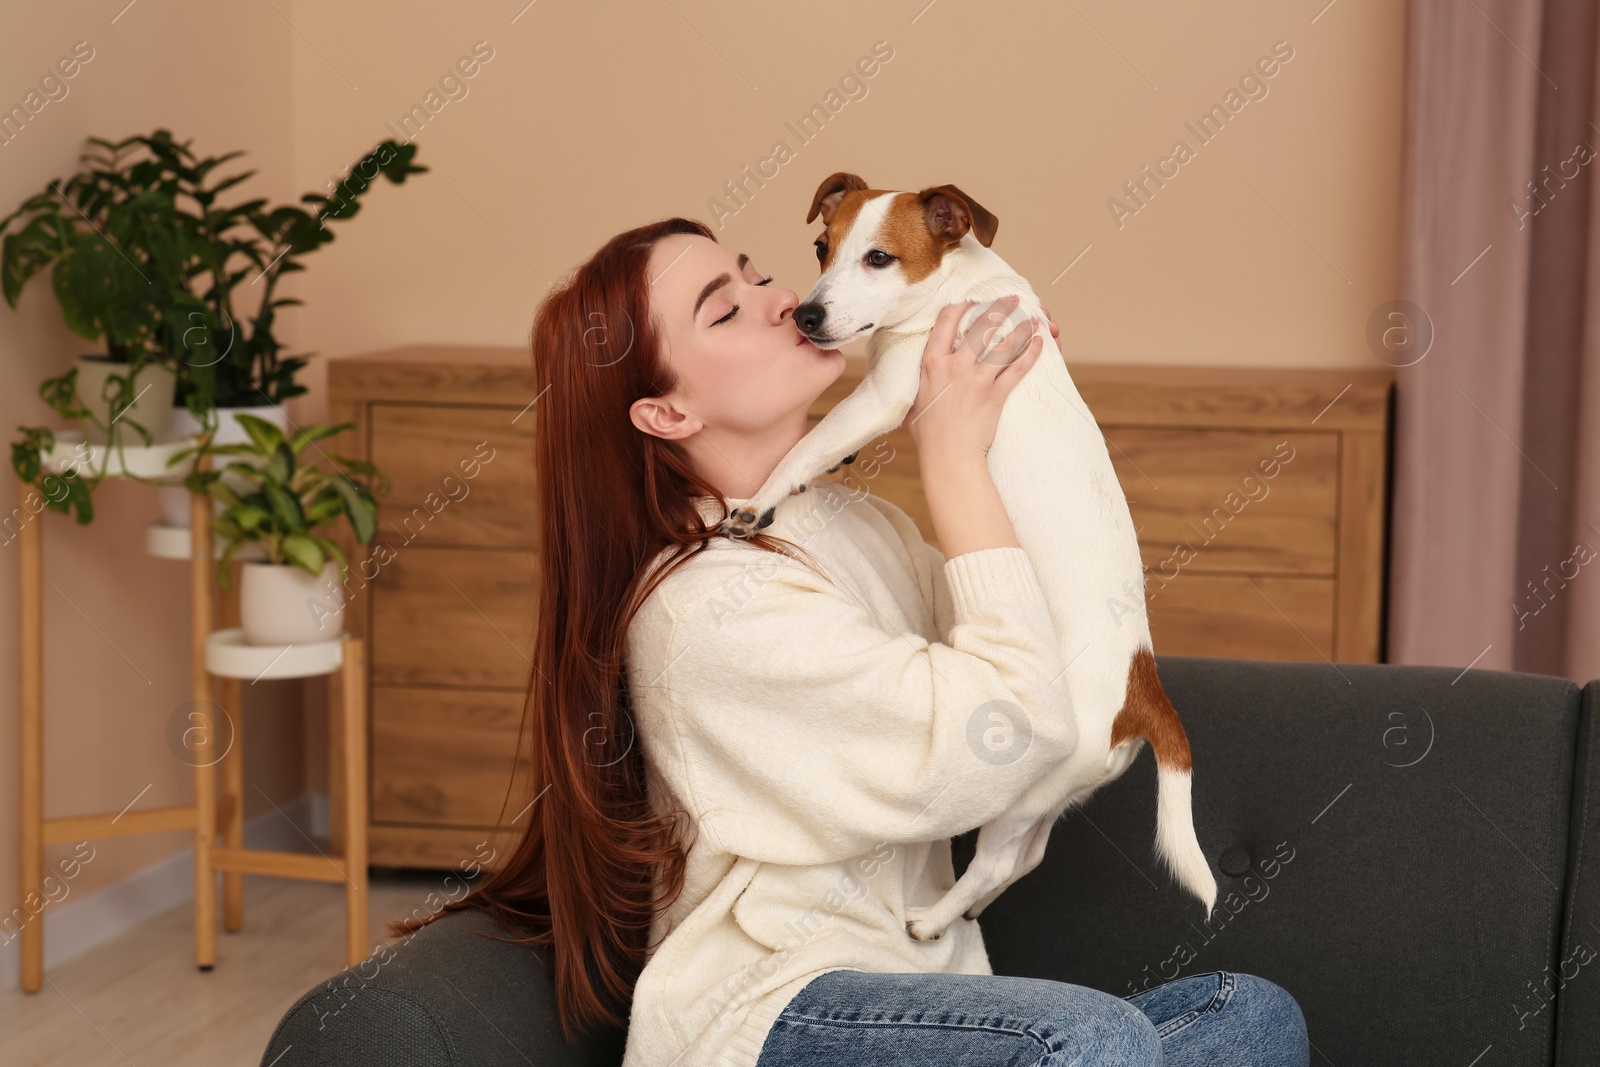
(1004, 345)
(1006, 380)
(989, 329)
(943, 335)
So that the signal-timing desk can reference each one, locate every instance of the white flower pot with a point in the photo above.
(280, 604)
(153, 386)
(175, 498)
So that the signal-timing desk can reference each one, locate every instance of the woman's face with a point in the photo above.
(746, 375)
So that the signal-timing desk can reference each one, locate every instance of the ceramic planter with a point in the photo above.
(175, 498)
(153, 386)
(280, 604)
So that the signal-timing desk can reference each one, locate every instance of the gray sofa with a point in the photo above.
(1402, 848)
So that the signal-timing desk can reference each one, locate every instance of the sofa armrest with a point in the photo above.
(447, 995)
(1576, 974)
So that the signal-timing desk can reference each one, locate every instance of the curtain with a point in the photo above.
(1495, 535)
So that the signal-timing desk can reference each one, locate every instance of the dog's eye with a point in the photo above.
(822, 249)
(879, 258)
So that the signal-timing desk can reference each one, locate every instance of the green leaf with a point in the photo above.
(304, 552)
(280, 468)
(265, 435)
(30, 250)
(359, 506)
(307, 434)
(359, 466)
(248, 471)
(333, 550)
(78, 498)
(286, 512)
(204, 482)
(224, 577)
(326, 507)
(249, 519)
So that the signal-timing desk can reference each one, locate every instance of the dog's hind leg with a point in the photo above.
(1000, 845)
(1032, 853)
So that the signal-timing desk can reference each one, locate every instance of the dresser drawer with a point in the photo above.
(1244, 617)
(446, 616)
(1224, 501)
(444, 757)
(461, 475)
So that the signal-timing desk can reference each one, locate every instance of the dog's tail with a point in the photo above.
(1149, 714)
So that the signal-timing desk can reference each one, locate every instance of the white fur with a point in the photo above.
(1051, 466)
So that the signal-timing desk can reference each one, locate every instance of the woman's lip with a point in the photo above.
(801, 339)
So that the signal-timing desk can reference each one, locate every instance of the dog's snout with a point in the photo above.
(809, 317)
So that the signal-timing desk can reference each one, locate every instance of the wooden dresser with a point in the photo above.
(1260, 497)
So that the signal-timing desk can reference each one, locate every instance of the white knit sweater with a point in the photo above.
(828, 737)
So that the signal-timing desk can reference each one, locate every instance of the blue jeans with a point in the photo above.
(1221, 1019)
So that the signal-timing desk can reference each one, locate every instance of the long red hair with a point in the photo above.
(594, 864)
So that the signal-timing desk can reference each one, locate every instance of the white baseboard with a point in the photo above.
(79, 923)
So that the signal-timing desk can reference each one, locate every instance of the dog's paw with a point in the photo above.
(851, 458)
(742, 523)
(920, 929)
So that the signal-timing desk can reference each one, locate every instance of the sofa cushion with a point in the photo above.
(1390, 845)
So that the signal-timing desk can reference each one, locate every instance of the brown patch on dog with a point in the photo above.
(918, 229)
(952, 213)
(1147, 713)
(844, 217)
(830, 192)
(905, 235)
(838, 200)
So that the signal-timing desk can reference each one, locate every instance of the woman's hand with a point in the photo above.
(962, 390)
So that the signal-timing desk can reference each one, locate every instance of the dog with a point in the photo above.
(889, 261)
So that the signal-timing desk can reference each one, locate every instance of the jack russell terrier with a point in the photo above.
(890, 261)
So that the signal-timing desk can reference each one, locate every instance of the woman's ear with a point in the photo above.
(659, 417)
(830, 192)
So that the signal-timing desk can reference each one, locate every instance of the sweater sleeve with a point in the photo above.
(926, 560)
(800, 730)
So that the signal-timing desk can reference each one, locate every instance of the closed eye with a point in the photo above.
(735, 309)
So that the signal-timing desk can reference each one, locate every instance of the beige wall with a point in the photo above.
(594, 117)
(1271, 246)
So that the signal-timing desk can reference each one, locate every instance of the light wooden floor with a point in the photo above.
(140, 1000)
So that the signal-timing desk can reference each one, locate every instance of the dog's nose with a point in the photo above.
(809, 317)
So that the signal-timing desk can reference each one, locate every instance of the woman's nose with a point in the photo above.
(784, 306)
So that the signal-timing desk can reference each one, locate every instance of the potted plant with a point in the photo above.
(112, 236)
(293, 594)
(234, 365)
(145, 256)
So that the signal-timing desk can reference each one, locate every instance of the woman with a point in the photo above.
(754, 754)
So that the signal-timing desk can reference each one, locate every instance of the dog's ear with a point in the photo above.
(951, 213)
(830, 192)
